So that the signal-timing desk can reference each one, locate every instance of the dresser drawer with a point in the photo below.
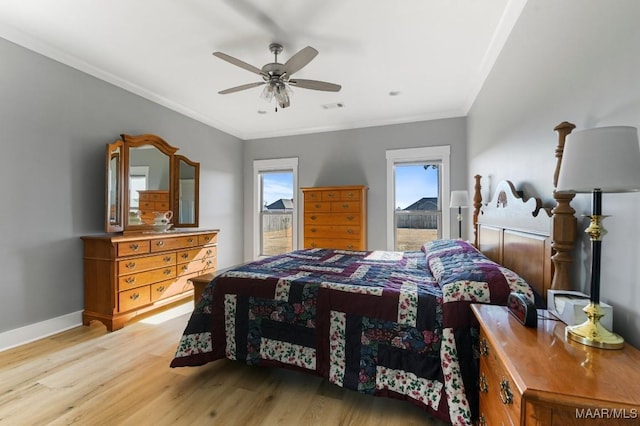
(317, 206)
(334, 243)
(196, 266)
(170, 288)
(197, 254)
(345, 206)
(147, 205)
(332, 219)
(205, 239)
(499, 394)
(154, 196)
(132, 299)
(171, 243)
(312, 196)
(349, 195)
(332, 231)
(133, 247)
(162, 206)
(126, 282)
(139, 264)
(189, 255)
(332, 195)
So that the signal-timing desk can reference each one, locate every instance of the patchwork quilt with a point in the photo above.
(394, 324)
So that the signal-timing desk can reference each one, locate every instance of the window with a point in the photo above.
(275, 206)
(418, 212)
(138, 181)
(417, 190)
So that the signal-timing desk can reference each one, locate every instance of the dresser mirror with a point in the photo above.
(113, 201)
(186, 191)
(145, 177)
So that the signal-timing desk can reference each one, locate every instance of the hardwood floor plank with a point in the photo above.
(87, 376)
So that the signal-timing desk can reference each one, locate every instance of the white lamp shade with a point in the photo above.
(459, 199)
(605, 158)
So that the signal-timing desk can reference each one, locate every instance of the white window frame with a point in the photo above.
(138, 171)
(439, 154)
(273, 165)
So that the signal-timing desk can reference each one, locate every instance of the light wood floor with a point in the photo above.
(87, 376)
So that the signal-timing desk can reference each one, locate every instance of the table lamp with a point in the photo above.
(597, 161)
(459, 199)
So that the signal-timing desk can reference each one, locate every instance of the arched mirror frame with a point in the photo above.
(122, 182)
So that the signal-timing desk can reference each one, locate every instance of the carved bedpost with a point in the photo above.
(564, 220)
(477, 203)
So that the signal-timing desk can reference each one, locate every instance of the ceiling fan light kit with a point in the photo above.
(277, 76)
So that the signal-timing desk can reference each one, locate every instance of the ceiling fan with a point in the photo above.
(278, 77)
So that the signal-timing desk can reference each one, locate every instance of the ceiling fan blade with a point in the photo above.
(243, 87)
(259, 17)
(315, 85)
(299, 60)
(238, 63)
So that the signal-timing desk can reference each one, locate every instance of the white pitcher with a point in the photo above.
(162, 217)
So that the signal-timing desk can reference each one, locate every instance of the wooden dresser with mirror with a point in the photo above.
(133, 269)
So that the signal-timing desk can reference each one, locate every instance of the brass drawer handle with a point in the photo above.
(483, 385)
(314, 217)
(184, 268)
(349, 231)
(130, 280)
(506, 396)
(313, 245)
(167, 259)
(160, 243)
(350, 246)
(160, 289)
(134, 246)
(331, 195)
(167, 271)
(318, 206)
(350, 195)
(184, 255)
(190, 240)
(209, 262)
(134, 296)
(209, 251)
(207, 238)
(345, 206)
(313, 229)
(130, 265)
(350, 217)
(484, 347)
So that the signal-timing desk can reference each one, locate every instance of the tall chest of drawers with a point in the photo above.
(152, 201)
(128, 275)
(335, 217)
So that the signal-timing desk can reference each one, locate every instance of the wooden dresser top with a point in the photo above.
(548, 367)
(150, 235)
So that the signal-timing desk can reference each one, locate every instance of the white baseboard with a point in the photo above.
(29, 333)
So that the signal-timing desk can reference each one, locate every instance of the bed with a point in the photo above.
(394, 324)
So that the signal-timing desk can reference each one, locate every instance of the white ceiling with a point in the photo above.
(434, 53)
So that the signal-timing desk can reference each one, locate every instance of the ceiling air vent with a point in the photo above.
(333, 106)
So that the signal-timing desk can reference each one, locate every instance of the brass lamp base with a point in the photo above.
(592, 333)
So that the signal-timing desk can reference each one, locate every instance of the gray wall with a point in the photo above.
(54, 125)
(577, 61)
(356, 157)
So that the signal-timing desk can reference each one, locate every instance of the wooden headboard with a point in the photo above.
(516, 233)
(535, 242)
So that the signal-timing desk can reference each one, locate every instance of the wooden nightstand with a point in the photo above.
(532, 376)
